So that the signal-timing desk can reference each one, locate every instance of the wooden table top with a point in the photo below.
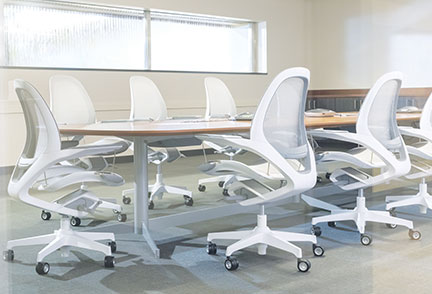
(199, 126)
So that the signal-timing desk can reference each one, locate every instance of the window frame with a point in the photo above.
(259, 38)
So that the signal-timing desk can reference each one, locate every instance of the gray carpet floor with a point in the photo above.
(391, 264)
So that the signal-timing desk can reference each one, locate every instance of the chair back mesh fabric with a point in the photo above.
(284, 126)
(70, 102)
(381, 119)
(219, 99)
(146, 100)
(42, 132)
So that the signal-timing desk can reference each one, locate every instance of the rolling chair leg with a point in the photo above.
(423, 199)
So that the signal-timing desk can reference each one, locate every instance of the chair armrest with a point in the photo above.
(414, 132)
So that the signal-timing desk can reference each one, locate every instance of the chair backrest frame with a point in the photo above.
(70, 102)
(146, 99)
(219, 100)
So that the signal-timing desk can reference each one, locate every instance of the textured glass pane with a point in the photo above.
(200, 45)
(73, 37)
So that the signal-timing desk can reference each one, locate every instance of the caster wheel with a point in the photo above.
(327, 175)
(316, 231)
(126, 200)
(211, 248)
(109, 261)
(113, 246)
(317, 250)
(151, 205)
(8, 255)
(42, 268)
(201, 188)
(365, 239)
(303, 265)
(391, 226)
(188, 200)
(45, 215)
(415, 235)
(332, 224)
(221, 183)
(122, 217)
(319, 180)
(75, 221)
(225, 192)
(231, 264)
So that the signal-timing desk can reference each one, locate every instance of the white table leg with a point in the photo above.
(141, 219)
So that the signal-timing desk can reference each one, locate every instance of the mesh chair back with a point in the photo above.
(219, 99)
(146, 100)
(282, 123)
(42, 133)
(377, 115)
(70, 102)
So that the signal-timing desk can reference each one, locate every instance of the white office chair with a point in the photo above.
(41, 151)
(278, 135)
(419, 152)
(71, 104)
(148, 103)
(220, 104)
(376, 129)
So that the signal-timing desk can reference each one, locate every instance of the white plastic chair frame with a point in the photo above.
(376, 129)
(422, 199)
(43, 150)
(220, 104)
(297, 181)
(148, 103)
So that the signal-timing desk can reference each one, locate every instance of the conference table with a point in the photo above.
(182, 132)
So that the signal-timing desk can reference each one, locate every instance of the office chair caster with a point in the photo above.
(121, 217)
(303, 265)
(126, 200)
(109, 261)
(332, 224)
(42, 268)
(211, 248)
(113, 246)
(75, 221)
(188, 201)
(319, 180)
(221, 183)
(391, 226)
(327, 175)
(415, 235)
(151, 205)
(365, 239)
(317, 250)
(316, 231)
(8, 255)
(225, 192)
(201, 188)
(45, 215)
(231, 263)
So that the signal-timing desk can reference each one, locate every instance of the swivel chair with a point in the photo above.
(148, 103)
(71, 104)
(376, 130)
(220, 104)
(41, 151)
(278, 135)
(419, 152)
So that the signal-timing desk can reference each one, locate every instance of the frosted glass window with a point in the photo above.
(62, 34)
(197, 43)
(70, 35)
